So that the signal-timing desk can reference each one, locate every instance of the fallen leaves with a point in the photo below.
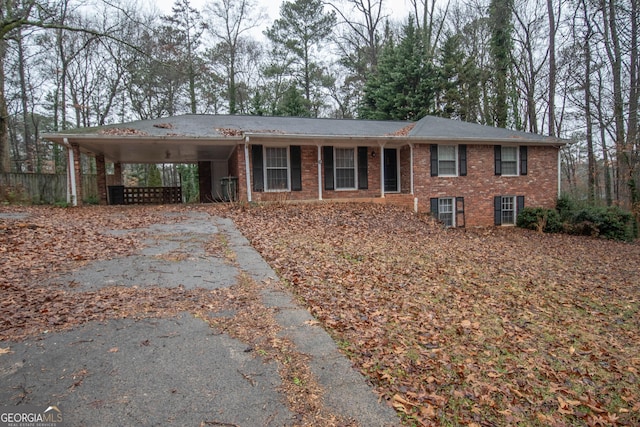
(486, 327)
(489, 326)
(122, 132)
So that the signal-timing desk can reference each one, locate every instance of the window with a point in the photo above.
(509, 160)
(507, 209)
(445, 211)
(449, 210)
(276, 168)
(345, 168)
(448, 160)
(447, 165)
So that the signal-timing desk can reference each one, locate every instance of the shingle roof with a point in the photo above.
(199, 126)
(225, 125)
(438, 127)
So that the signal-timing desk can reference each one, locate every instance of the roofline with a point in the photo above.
(372, 140)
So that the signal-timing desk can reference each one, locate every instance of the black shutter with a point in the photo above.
(258, 172)
(523, 160)
(460, 212)
(434, 160)
(497, 210)
(498, 158)
(363, 168)
(434, 207)
(328, 167)
(295, 152)
(519, 204)
(462, 160)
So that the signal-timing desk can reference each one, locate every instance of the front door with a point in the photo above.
(391, 170)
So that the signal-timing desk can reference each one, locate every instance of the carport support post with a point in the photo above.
(101, 172)
(73, 169)
(77, 172)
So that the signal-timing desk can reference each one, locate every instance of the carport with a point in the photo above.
(183, 140)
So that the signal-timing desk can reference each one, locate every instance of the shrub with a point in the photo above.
(565, 207)
(609, 222)
(540, 219)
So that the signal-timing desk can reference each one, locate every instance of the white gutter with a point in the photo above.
(247, 167)
(319, 172)
(72, 196)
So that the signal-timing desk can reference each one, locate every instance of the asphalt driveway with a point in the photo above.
(178, 369)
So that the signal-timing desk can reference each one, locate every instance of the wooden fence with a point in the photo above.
(119, 194)
(43, 188)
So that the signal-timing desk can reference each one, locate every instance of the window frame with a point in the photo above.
(514, 210)
(452, 213)
(516, 160)
(354, 168)
(266, 169)
(455, 161)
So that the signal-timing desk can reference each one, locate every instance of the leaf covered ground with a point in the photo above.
(485, 327)
(467, 327)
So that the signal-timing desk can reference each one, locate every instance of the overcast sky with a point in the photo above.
(397, 9)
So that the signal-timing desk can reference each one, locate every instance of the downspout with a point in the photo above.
(247, 167)
(319, 172)
(415, 199)
(559, 173)
(72, 196)
(382, 170)
(411, 165)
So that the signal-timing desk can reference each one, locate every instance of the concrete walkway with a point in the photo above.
(178, 370)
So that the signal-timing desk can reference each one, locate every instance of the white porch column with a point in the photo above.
(247, 167)
(72, 189)
(319, 172)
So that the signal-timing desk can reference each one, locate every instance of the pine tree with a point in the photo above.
(403, 86)
(501, 44)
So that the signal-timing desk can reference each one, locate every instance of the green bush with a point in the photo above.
(540, 219)
(565, 207)
(609, 222)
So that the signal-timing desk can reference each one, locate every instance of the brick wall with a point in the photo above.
(481, 185)
(478, 188)
(310, 180)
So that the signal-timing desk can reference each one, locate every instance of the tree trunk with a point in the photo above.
(5, 165)
(614, 53)
(29, 143)
(552, 68)
(632, 129)
(591, 159)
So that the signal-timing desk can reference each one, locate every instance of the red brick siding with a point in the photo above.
(480, 186)
(373, 172)
(310, 180)
(405, 170)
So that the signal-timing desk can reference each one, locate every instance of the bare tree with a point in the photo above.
(230, 22)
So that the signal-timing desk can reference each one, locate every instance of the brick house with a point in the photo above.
(465, 174)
